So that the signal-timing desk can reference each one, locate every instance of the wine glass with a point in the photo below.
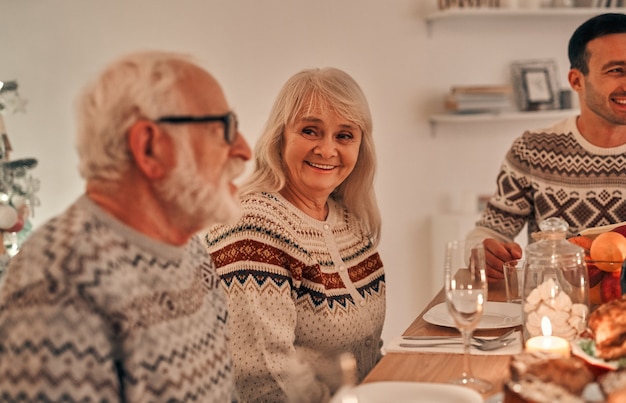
(465, 285)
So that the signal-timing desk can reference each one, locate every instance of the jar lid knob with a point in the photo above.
(551, 228)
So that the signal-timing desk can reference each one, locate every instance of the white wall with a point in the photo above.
(52, 47)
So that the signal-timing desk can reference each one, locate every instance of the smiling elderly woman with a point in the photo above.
(304, 278)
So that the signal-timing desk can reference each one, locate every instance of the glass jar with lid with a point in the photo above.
(556, 283)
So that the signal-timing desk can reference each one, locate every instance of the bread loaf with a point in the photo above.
(608, 324)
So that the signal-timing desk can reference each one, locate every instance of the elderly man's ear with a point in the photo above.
(152, 149)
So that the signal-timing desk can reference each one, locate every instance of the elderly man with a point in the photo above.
(116, 299)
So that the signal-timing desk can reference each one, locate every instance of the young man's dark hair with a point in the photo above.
(601, 25)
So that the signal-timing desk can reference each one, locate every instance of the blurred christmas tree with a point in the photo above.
(17, 187)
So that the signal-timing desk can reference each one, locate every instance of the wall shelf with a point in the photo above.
(460, 118)
(480, 14)
(452, 13)
(487, 12)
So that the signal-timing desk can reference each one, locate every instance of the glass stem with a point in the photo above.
(467, 338)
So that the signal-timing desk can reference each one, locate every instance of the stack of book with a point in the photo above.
(480, 98)
(607, 3)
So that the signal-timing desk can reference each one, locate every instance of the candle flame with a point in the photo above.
(546, 326)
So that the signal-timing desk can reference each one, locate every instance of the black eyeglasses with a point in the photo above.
(229, 120)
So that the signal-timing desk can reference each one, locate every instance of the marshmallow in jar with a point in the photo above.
(555, 283)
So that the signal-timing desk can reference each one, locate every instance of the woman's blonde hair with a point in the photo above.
(340, 92)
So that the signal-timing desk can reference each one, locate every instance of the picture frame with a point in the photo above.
(536, 85)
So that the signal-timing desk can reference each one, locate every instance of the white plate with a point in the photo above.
(598, 364)
(409, 392)
(496, 315)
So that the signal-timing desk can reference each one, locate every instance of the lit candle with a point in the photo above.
(548, 343)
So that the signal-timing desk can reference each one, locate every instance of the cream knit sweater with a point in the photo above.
(555, 172)
(301, 292)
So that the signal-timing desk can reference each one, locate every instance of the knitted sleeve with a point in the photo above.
(510, 207)
(261, 267)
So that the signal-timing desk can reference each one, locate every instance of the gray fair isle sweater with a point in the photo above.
(93, 311)
(301, 292)
(555, 172)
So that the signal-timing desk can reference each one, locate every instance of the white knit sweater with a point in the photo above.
(301, 292)
(555, 172)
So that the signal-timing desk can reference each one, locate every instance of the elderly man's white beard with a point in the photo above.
(201, 204)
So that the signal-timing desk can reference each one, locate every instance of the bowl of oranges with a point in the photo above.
(605, 254)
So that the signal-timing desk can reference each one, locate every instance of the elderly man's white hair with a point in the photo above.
(138, 86)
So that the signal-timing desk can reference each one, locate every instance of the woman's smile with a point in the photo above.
(321, 166)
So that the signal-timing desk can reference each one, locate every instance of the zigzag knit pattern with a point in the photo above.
(556, 173)
(92, 311)
(301, 291)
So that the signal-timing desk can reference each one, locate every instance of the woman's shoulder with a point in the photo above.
(350, 221)
(259, 198)
(262, 213)
(263, 204)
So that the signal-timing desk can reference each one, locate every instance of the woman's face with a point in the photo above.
(320, 151)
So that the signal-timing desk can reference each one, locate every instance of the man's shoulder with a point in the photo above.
(65, 228)
(564, 127)
(560, 134)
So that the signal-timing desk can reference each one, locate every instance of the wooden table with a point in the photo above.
(440, 367)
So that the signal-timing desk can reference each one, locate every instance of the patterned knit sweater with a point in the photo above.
(92, 311)
(301, 292)
(555, 172)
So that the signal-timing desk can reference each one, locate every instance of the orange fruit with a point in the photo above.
(608, 247)
(620, 230)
